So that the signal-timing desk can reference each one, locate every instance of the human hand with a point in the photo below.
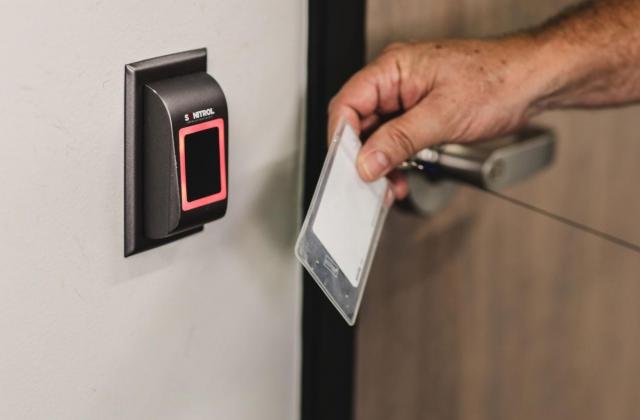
(435, 92)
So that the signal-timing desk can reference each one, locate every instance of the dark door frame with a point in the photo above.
(336, 51)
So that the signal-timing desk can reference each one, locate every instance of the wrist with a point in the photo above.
(533, 72)
(556, 69)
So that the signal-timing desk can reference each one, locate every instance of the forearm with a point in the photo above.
(589, 56)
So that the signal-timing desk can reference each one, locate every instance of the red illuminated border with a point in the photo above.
(222, 194)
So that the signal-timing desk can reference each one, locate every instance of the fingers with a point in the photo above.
(368, 124)
(356, 99)
(399, 139)
(399, 184)
(337, 114)
(373, 90)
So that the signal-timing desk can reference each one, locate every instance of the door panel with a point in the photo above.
(492, 311)
(593, 180)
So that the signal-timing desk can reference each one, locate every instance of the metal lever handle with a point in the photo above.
(491, 165)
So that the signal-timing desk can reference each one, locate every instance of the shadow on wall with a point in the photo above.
(276, 208)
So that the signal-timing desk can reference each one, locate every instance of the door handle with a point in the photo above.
(435, 172)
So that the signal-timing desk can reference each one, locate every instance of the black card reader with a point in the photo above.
(185, 154)
(181, 151)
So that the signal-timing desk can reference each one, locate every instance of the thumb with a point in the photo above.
(398, 140)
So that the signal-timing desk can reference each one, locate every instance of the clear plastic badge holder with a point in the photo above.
(342, 228)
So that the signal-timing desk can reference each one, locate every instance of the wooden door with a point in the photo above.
(492, 311)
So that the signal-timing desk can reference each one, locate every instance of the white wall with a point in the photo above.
(207, 327)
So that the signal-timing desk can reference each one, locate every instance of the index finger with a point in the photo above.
(357, 100)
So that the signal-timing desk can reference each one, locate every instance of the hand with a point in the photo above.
(450, 91)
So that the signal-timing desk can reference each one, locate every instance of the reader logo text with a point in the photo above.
(196, 115)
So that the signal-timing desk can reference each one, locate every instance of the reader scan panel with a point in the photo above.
(202, 157)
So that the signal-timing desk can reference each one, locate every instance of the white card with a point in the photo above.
(346, 219)
(340, 233)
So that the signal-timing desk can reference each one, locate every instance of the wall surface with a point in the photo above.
(206, 327)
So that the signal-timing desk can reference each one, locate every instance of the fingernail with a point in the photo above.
(375, 164)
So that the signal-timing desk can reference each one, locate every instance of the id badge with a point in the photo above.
(340, 233)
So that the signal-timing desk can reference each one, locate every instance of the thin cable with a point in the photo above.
(568, 222)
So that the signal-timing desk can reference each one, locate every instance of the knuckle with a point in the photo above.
(401, 140)
(331, 105)
(393, 46)
(393, 50)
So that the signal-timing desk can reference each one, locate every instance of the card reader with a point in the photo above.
(185, 154)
